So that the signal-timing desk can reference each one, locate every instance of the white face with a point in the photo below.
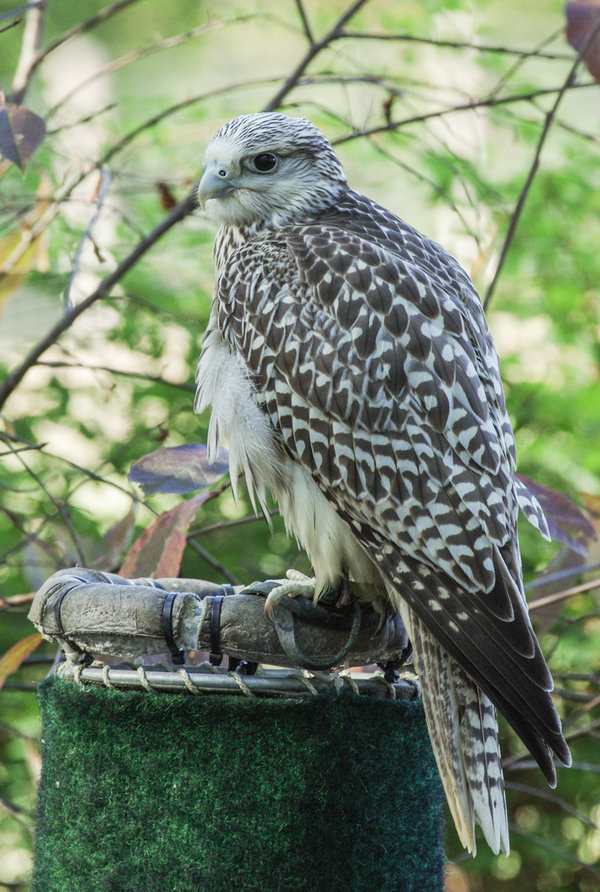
(268, 167)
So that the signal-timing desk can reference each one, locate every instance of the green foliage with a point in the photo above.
(116, 383)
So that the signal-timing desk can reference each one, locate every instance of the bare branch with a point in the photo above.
(102, 192)
(553, 798)
(183, 209)
(178, 106)
(22, 815)
(94, 20)
(578, 570)
(516, 215)
(123, 373)
(305, 23)
(57, 505)
(488, 102)
(556, 850)
(140, 53)
(11, 25)
(216, 564)
(314, 49)
(456, 44)
(567, 593)
(30, 46)
(229, 524)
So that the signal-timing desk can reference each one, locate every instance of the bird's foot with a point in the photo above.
(292, 586)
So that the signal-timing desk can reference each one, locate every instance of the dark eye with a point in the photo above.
(265, 162)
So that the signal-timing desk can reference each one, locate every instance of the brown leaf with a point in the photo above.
(583, 16)
(15, 655)
(21, 133)
(158, 551)
(167, 199)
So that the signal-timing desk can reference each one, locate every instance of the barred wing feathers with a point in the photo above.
(368, 350)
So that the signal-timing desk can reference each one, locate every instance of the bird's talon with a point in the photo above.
(294, 584)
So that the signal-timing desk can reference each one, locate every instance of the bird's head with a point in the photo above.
(269, 168)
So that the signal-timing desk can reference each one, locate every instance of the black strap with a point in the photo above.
(177, 655)
(58, 618)
(283, 618)
(86, 658)
(216, 655)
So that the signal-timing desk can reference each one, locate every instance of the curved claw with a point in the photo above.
(295, 584)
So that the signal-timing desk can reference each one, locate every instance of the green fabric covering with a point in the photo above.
(170, 793)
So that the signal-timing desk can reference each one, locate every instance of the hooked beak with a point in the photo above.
(216, 182)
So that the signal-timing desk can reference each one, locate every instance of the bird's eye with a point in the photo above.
(265, 162)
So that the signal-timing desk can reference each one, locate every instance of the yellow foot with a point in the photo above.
(297, 584)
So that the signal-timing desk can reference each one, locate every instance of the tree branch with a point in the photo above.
(183, 209)
(30, 46)
(100, 16)
(455, 44)
(313, 51)
(516, 214)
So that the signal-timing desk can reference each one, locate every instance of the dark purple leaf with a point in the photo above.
(583, 16)
(21, 133)
(567, 522)
(178, 469)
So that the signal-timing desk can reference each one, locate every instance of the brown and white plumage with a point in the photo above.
(350, 368)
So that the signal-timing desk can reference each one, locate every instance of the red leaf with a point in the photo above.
(21, 133)
(583, 16)
(567, 522)
(159, 549)
(118, 538)
(15, 655)
(178, 469)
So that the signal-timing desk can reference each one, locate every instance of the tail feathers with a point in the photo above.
(463, 730)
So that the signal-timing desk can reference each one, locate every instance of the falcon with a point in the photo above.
(352, 374)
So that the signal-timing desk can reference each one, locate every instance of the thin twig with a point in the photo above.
(183, 209)
(551, 797)
(566, 593)
(455, 44)
(541, 841)
(228, 524)
(305, 22)
(216, 564)
(17, 10)
(488, 102)
(142, 52)
(102, 191)
(579, 570)
(94, 20)
(30, 46)
(535, 53)
(85, 120)
(18, 813)
(11, 25)
(57, 505)
(313, 51)
(122, 373)
(179, 106)
(516, 214)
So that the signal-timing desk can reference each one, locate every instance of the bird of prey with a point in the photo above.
(351, 371)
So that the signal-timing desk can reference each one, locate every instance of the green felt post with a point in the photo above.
(146, 792)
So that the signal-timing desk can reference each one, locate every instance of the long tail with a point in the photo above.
(464, 736)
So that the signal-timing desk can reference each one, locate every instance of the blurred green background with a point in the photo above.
(130, 103)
